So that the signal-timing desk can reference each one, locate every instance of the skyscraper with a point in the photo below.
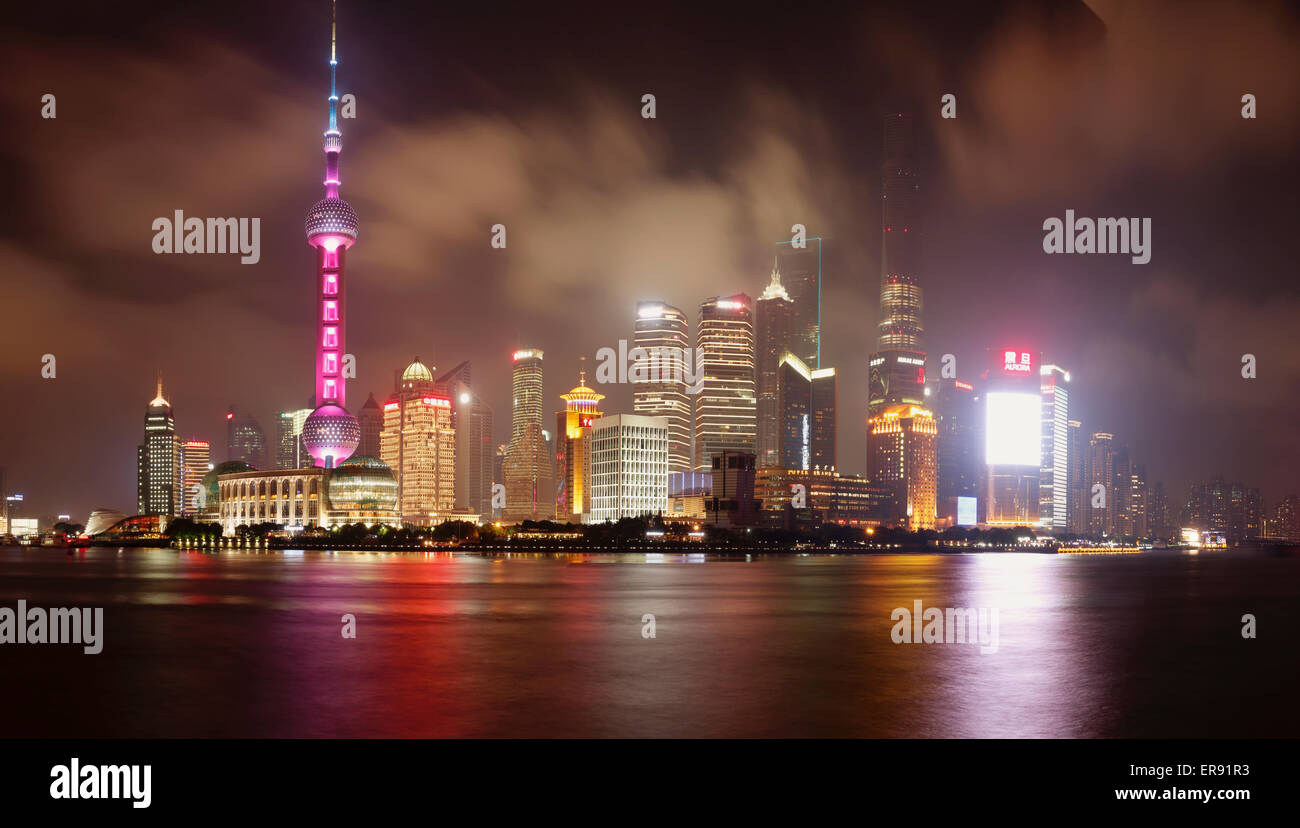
(805, 404)
(196, 461)
(245, 440)
(628, 467)
(371, 421)
(725, 416)
(572, 446)
(1054, 477)
(471, 418)
(903, 443)
(662, 330)
(957, 445)
(331, 434)
(1077, 513)
(1101, 472)
(897, 368)
(159, 488)
(773, 332)
(1013, 446)
(289, 451)
(801, 274)
(419, 444)
(528, 467)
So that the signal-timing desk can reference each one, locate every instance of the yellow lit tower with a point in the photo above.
(418, 443)
(573, 430)
(902, 458)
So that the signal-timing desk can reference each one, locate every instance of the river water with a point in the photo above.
(251, 644)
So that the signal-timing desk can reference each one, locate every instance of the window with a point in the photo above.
(331, 310)
(331, 285)
(331, 337)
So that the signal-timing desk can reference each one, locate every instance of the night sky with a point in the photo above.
(530, 116)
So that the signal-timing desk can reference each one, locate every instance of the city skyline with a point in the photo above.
(212, 364)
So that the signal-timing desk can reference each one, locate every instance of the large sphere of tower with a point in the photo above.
(331, 222)
(331, 434)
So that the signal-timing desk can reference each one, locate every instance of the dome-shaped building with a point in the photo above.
(362, 484)
(208, 495)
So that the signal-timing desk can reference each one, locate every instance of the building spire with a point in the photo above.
(159, 399)
(774, 288)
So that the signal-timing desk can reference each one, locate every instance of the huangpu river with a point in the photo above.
(240, 643)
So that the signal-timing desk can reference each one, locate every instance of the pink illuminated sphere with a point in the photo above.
(331, 435)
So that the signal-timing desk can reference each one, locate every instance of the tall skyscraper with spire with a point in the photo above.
(158, 461)
(331, 434)
(897, 368)
(773, 337)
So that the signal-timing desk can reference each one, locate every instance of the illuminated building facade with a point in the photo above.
(829, 496)
(732, 502)
(1013, 446)
(331, 434)
(725, 415)
(159, 489)
(1054, 471)
(801, 275)
(628, 467)
(471, 417)
(196, 461)
(903, 460)
(284, 497)
(573, 428)
(528, 467)
(661, 329)
(361, 490)
(419, 444)
(773, 331)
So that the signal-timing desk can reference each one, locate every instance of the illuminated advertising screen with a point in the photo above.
(1011, 429)
(966, 511)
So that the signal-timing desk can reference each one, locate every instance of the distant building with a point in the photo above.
(528, 465)
(725, 415)
(1101, 472)
(196, 461)
(371, 420)
(1077, 511)
(159, 482)
(1054, 473)
(471, 418)
(661, 330)
(289, 450)
(628, 467)
(245, 440)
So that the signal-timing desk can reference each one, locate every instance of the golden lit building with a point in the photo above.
(903, 458)
(572, 447)
(418, 443)
(527, 467)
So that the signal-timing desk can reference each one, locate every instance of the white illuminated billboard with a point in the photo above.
(1011, 429)
(967, 508)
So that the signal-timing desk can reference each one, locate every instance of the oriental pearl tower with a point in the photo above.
(331, 434)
